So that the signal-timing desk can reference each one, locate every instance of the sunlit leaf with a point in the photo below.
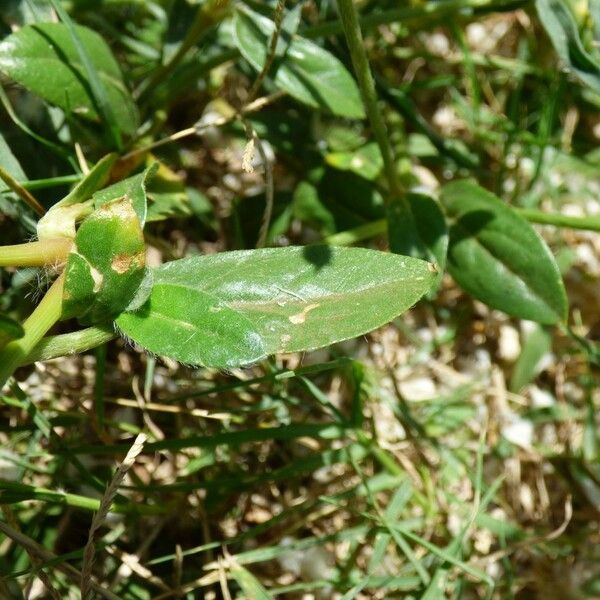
(292, 299)
(44, 59)
(306, 71)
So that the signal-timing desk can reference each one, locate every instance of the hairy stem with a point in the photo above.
(35, 254)
(69, 343)
(41, 320)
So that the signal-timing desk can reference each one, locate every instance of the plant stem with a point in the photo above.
(41, 320)
(41, 184)
(379, 227)
(35, 254)
(360, 62)
(558, 220)
(69, 343)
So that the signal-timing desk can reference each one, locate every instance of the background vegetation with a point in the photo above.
(452, 453)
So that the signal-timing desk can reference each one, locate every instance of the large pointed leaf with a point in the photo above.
(499, 258)
(293, 299)
(44, 59)
(306, 72)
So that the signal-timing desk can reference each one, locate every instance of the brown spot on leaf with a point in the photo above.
(122, 263)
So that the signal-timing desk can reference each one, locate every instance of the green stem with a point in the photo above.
(360, 62)
(41, 320)
(42, 184)
(558, 220)
(375, 228)
(35, 254)
(75, 500)
(358, 234)
(69, 343)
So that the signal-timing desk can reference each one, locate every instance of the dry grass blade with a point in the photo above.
(105, 504)
(26, 196)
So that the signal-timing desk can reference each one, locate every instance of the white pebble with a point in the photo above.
(509, 346)
(519, 432)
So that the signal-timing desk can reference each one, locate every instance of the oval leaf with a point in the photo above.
(295, 298)
(499, 258)
(306, 71)
(44, 59)
(106, 266)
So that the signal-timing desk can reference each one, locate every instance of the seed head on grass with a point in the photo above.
(105, 504)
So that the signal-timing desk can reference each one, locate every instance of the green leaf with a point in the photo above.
(498, 257)
(251, 587)
(418, 229)
(365, 161)
(232, 308)
(307, 206)
(181, 321)
(93, 181)
(167, 196)
(43, 58)
(107, 264)
(561, 27)
(306, 72)
(132, 187)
